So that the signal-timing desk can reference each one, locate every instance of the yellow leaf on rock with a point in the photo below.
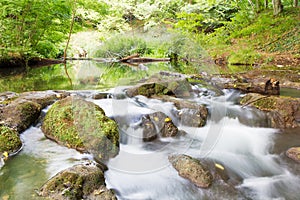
(219, 166)
(168, 119)
(5, 154)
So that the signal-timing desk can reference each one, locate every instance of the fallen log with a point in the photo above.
(125, 59)
(145, 60)
(94, 59)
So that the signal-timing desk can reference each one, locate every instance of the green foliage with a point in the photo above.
(26, 23)
(243, 56)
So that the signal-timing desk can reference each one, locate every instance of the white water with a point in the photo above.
(142, 170)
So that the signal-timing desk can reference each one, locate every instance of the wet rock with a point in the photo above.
(20, 114)
(85, 181)
(192, 170)
(294, 153)
(267, 86)
(162, 85)
(189, 113)
(7, 97)
(158, 123)
(100, 95)
(42, 98)
(82, 125)
(282, 112)
(10, 141)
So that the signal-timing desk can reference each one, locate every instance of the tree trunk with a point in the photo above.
(295, 3)
(277, 6)
(266, 3)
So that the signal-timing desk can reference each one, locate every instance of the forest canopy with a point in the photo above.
(39, 28)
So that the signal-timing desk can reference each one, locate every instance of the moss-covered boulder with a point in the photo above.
(162, 85)
(82, 125)
(294, 153)
(158, 124)
(10, 141)
(85, 181)
(283, 112)
(20, 114)
(192, 169)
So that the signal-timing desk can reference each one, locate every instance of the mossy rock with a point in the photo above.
(283, 112)
(20, 114)
(192, 169)
(10, 141)
(162, 85)
(82, 125)
(77, 182)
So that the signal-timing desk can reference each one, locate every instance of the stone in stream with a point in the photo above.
(192, 169)
(189, 113)
(82, 125)
(20, 114)
(162, 85)
(158, 123)
(282, 112)
(84, 181)
(294, 153)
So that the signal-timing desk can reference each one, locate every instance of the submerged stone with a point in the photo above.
(85, 181)
(83, 125)
(192, 169)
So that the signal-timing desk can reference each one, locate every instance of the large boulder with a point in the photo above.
(9, 140)
(294, 153)
(85, 181)
(157, 123)
(283, 112)
(192, 169)
(80, 124)
(162, 85)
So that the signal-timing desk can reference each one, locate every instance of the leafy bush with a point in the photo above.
(122, 46)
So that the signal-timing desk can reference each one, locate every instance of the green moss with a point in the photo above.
(245, 99)
(9, 140)
(265, 103)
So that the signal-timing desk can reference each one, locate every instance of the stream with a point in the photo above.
(234, 137)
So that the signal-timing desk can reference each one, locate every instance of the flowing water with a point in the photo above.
(236, 138)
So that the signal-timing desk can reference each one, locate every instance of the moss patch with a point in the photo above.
(9, 140)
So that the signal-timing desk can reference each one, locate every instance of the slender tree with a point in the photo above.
(266, 3)
(277, 6)
(295, 3)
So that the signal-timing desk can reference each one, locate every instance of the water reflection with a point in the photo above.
(88, 75)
